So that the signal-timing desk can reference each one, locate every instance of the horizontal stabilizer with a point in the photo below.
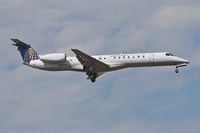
(19, 43)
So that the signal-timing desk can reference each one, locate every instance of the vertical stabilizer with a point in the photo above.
(26, 51)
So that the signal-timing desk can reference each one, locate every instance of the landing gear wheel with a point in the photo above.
(93, 80)
(92, 76)
(176, 71)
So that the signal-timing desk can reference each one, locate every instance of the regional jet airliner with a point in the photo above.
(94, 66)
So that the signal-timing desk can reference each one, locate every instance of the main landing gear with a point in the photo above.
(93, 80)
(92, 76)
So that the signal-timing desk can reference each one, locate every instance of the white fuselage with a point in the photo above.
(94, 66)
(115, 61)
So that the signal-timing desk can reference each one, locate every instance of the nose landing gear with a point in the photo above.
(176, 70)
(182, 65)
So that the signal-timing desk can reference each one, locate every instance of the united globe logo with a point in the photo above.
(30, 55)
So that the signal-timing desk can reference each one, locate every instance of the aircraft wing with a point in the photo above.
(87, 60)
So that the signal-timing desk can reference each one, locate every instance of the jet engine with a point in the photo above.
(53, 58)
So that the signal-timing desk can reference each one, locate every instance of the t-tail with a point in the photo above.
(26, 51)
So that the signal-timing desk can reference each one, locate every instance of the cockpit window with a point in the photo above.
(169, 54)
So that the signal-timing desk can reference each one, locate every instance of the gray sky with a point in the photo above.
(153, 100)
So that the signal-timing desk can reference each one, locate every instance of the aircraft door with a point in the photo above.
(151, 58)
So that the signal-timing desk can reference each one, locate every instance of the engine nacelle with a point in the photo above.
(53, 58)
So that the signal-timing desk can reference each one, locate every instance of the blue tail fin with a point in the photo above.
(26, 51)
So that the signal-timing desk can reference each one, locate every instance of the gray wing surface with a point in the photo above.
(87, 60)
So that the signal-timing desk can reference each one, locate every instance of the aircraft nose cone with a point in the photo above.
(184, 61)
